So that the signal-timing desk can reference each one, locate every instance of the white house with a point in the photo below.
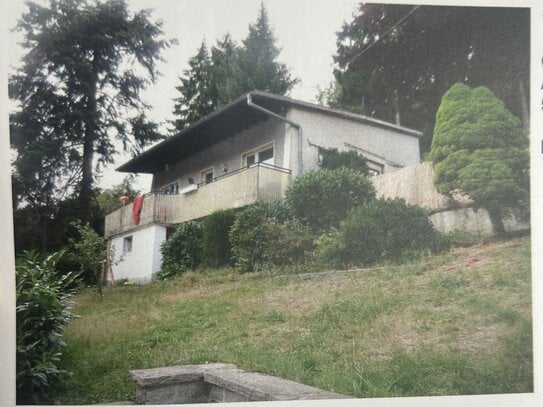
(247, 151)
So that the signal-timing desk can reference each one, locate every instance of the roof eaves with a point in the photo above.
(186, 130)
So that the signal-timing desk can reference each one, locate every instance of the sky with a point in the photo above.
(304, 30)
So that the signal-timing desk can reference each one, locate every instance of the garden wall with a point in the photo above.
(415, 184)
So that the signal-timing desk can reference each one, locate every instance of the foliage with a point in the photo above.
(248, 232)
(198, 92)
(333, 159)
(78, 91)
(285, 243)
(479, 148)
(109, 199)
(323, 198)
(182, 252)
(43, 310)
(257, 67)
(48, 228)
(89, 250)
(385, 229)
(394, 62)
(217, 77)
(217, 249)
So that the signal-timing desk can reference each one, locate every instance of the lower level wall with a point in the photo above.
(143, 260)
(475, 220)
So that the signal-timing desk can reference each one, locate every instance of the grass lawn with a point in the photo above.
(456, 323)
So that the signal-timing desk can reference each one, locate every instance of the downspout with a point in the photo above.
(293, 124)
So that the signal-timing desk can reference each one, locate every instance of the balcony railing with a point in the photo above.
(259, 182)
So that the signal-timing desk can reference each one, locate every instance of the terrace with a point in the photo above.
(256, 183)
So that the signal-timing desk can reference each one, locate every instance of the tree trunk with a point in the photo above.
(87, 179)
(396, 104)
(524, 105)
(496, 219)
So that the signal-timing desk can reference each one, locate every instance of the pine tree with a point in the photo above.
(224, 59)
(77, 95)
(480, 149)
(257, 67)
(216, 78)
(395, 62)
(198, 91)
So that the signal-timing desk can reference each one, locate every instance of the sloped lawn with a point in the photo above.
(456, 323)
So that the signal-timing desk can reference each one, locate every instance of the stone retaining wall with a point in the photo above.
(217, 382)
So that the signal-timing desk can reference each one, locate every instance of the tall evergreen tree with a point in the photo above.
(257, 67)
(480, 149)
(78, 93)
(198, 90)
(228, 71)
(224, 59)
(395, 61)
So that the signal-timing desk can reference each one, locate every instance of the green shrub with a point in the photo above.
(285, 243)
(333, 159)
(90, 250)
(323, 198)
(43, 310)
(385, 229)
(463, 238)
(248, 232)
(217, 247)
(182, 251)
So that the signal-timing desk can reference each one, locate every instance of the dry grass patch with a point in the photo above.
(411, 329)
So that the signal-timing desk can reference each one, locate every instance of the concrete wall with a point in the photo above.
(228, 152)
(144, 260)
(217, 383)
(388, 147)
(415, 185)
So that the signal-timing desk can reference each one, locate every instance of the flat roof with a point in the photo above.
(228, 121)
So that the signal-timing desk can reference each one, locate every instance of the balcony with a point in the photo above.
(259, 182)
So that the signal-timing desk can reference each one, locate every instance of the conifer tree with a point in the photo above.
(77, 94)
(394, 62)
(198, 92)
(224, 59)
(257, 66)
(479, 148)
(216, 78)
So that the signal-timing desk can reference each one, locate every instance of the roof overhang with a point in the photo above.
(226, 122)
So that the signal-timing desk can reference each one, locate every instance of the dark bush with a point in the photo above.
(182, 251)
(323, 198)
(285, 242)
(385, 229)
(249, 233)
(43, 310)
(217, 247)
(333, 159)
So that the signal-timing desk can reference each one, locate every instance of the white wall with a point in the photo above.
(228, 151)
(144, 260)
(320, 129)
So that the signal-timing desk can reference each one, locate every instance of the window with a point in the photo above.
(171, 189)
(206, 176)
(375, 168)
(127, 245)
(263, 155)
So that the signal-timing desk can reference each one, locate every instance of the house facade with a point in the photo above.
(248, 151)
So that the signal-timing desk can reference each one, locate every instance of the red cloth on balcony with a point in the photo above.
(136, 209)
